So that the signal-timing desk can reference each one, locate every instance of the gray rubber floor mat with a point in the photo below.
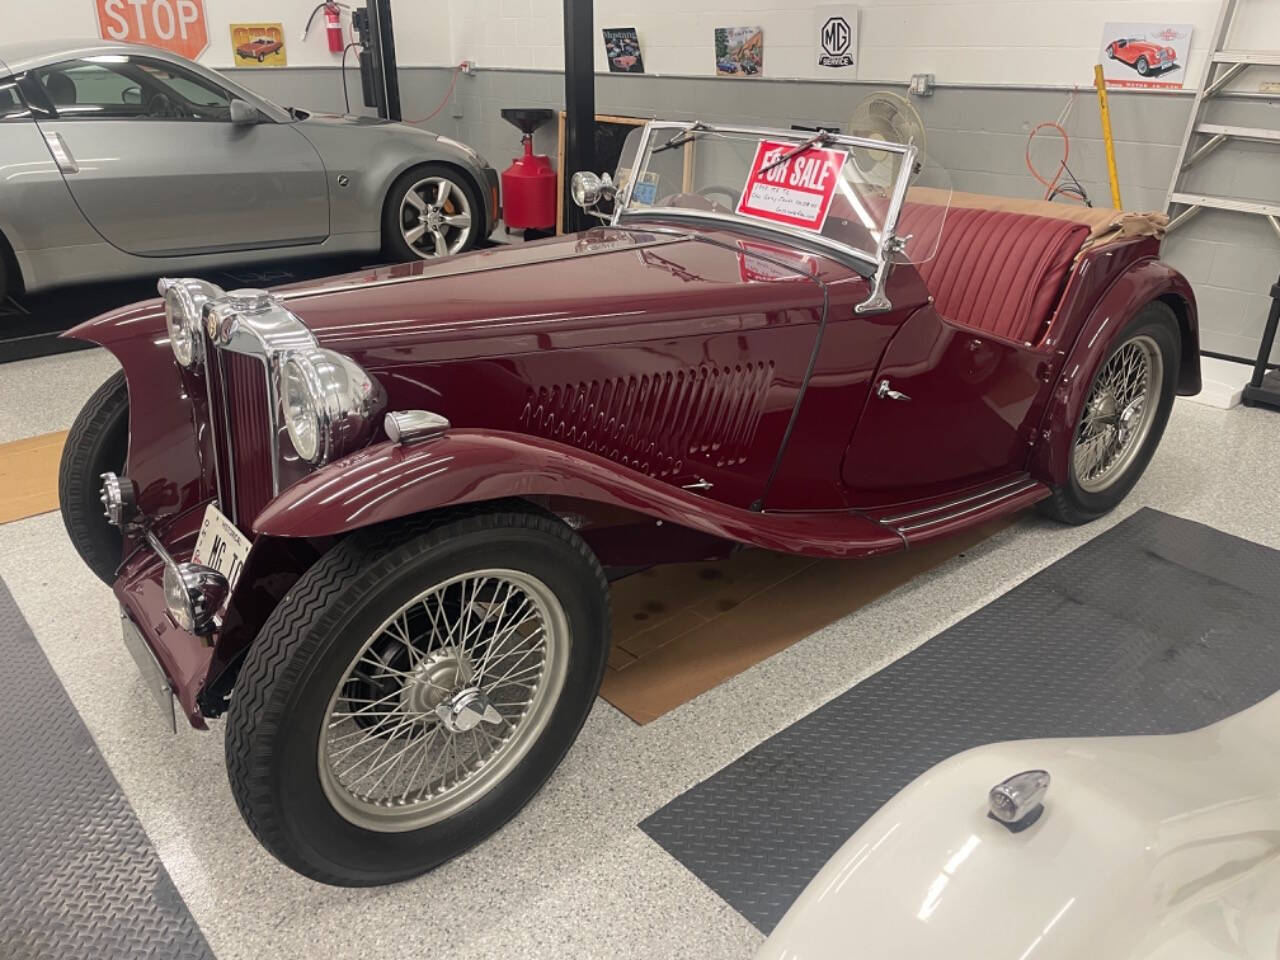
(1159, 625)
(78, 876)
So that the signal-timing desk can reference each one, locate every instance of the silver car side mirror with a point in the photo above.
(243, 114)
(588, 189)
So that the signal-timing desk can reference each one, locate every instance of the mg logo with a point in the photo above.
(836, 37)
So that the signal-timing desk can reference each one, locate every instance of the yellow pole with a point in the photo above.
(1105, 110)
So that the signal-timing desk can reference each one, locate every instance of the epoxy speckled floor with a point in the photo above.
(572, 876)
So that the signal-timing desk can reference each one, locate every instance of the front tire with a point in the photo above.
(1123, 417)
(431, 211)
(1143, 66)
(97, 443)
(412, 693)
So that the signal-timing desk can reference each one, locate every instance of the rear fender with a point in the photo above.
(388, 481)
(1142, 283)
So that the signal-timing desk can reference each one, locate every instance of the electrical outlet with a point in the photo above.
(469, 67)
(921, 84)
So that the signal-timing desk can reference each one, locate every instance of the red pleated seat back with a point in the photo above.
(997, 271)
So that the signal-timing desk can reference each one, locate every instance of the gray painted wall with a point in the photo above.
(978, 133)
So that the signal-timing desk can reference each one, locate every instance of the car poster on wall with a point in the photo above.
(622, 50)
(835, 31)
(739, 51)
(1145, 54)
(258, 45)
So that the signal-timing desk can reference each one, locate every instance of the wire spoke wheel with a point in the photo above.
(1118, 414)
(444, 700)
(435, 217)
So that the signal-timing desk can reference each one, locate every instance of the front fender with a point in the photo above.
(388, 481)
(1145, 281)
(164, 459)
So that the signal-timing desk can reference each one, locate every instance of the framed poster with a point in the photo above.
(1150, 55)
(622, 50)
(258, 45)
(835, 33)
(739, 51)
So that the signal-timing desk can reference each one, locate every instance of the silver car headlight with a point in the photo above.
(329, 403)
(184, 300)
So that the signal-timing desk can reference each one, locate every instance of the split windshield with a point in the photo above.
(835, 190)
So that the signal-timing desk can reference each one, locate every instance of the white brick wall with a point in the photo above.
(961, 41)
(423, 36)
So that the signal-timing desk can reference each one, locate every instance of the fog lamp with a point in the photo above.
(588, 189)
(119, 496)
(193, 594)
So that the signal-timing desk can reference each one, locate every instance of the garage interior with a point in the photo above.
(756, 709)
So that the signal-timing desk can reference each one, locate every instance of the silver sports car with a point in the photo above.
(119, 160)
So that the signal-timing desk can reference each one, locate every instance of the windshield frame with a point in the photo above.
(876, 258)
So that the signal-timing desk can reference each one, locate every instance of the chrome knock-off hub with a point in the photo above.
(436, 679)
(466, 710)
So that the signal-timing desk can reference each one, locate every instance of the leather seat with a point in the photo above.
(60, 87)
(997, 271)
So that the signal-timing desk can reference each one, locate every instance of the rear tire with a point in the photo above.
(97, 443)
(335, 642)
(1090, 492)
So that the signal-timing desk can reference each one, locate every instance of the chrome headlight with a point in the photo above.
(183, 302)
(329, 403)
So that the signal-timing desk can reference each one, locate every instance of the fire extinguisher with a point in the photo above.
(332, 22)
(333, 26)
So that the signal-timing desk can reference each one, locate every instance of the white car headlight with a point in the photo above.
(183, 301)
(330, 404)
(301, 408)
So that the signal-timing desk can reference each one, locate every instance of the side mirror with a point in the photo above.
(242, 114)
(588, 189)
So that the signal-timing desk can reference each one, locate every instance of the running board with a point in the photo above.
(942, 519)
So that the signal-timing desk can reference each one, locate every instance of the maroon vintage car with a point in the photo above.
(373, 520)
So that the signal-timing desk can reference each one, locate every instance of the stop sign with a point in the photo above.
(176, 25)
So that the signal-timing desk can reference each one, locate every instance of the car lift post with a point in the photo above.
(378, 77)
(579, 100)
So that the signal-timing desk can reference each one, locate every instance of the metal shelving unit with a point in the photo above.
(1203, 138)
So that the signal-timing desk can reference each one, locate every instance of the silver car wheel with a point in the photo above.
(435, 218)
(444, 700)
(1118, 414)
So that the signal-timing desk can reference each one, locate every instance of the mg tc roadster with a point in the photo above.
(373, 520)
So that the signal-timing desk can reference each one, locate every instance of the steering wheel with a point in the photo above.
(161, 106)
(733, 195)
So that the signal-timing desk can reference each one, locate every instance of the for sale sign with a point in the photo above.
(796, 192)
(175, 25)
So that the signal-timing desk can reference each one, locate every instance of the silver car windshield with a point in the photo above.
(839, 191)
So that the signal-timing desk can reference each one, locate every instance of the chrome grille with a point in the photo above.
(240, 419)
(250, 419)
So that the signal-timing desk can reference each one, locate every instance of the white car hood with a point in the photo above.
(1149, 848)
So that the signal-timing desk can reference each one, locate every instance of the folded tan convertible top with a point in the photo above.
(1106, 225)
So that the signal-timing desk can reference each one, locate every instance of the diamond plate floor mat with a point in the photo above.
(1159, 625)
(78, 876)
